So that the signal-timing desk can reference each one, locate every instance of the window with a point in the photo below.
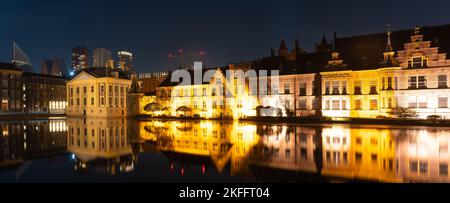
(382, 84)
(443, 169)
(195, 92)
(302, 89)
(374, 157)
(422, 82)
(344, 104)
(443, 102)
(373, 104)
(213, 92)
(412, 82)
(358, 157)
(423, 102)
(92, 88)
(423, 167)
(275, 88)
(335, 104)
(327, 104)
(358, 141)
(204, 91)
(287, 89)
(344, 87)
(84, 90)
(418, 62)
(413, 167)
(412, 102)
(442, 81)
(302, 104)
(373, 87)
(335, 87)
(288, 153)
(389, 85)
(357, 88)
(327, 88)
(358, 105)
(389, 103)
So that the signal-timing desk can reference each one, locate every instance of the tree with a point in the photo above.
(405, 113)
(288, 108)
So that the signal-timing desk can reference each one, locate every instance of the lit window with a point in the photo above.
(302, 89)
(412, 102)
(423, 102)
(443, 102)
(358, 105)
(373, 104)
(442, 81)
(335, 104)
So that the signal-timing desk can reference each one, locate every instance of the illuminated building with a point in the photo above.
(44, 93)
(150, 81)
(98, 92)
(26, 92)
(416, 79)
(345, 78)
(102, 57)
(80, 58)
(11, 87)
(125, 62)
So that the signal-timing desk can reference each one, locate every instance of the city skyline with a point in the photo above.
(260, 25)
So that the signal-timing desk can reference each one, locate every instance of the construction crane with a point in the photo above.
(182, 59)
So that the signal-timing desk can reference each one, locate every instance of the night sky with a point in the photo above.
(228, 30)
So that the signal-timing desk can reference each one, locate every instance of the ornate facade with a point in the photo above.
(369, 76)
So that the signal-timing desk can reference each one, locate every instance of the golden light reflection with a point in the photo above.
(372, 153)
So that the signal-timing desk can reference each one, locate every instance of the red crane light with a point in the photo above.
(203, 168)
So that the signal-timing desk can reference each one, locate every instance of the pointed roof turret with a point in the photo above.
(324, 39)
(134, 84)
(283, 45)
(389, 53)
(388, 43)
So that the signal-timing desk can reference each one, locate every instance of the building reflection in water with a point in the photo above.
(101, 144)
(276, 153)
(22, 141)
(364, 153)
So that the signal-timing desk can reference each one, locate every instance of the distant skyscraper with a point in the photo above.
(20, 58)
(101, 57)
(80, 58)
(125, 60)
(54, 67)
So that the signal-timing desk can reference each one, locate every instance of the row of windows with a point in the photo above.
(111, 89)
(414, 82)
(111, 102)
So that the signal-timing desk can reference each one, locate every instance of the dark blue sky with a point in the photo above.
(228, 30)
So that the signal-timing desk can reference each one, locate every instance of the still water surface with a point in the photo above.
(118, 150)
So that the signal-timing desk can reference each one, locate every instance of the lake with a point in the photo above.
(127, 150)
